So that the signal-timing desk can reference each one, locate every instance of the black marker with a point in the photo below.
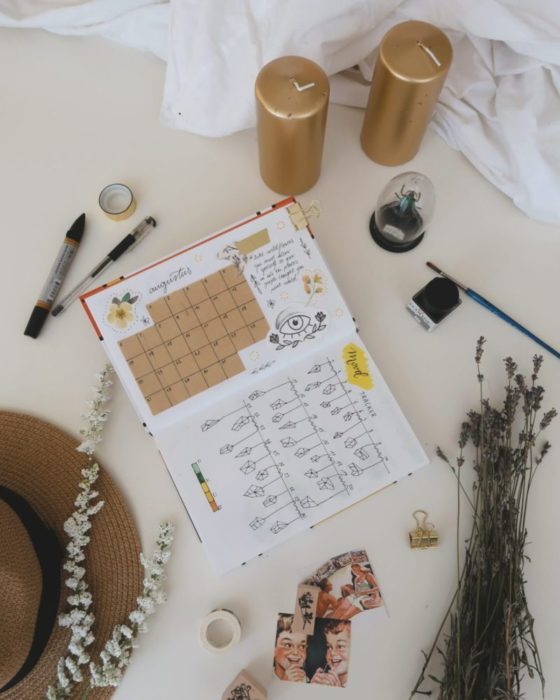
(127, 243)
(56, 277)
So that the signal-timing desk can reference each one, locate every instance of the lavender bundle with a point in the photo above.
(491, 644)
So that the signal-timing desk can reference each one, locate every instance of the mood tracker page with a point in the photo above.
(272, 461)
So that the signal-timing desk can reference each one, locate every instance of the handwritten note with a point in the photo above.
(278, 266)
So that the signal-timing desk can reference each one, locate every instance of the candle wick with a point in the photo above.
(301, 88)
(430, 53)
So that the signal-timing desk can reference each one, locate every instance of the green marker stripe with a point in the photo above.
(198, 473)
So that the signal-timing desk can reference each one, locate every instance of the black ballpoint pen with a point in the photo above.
(127, 243)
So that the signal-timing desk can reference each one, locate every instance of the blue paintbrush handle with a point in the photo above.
(494, 309)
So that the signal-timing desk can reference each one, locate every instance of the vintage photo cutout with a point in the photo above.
(290, 651)
(306, 608)
(322, 658)
(328, 652)
(348, 586)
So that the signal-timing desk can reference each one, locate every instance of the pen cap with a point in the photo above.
(132, 239)
(77, 229)
(36, 321)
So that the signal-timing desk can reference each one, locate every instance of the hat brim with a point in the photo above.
(40, 462)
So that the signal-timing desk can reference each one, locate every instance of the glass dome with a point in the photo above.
(405, 209)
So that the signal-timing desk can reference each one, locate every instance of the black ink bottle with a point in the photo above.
(434, 302)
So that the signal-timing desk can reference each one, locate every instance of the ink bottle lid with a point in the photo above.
(440, 296)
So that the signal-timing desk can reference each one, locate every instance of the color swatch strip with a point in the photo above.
(210, 498)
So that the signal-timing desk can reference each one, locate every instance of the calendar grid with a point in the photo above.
(195, 341)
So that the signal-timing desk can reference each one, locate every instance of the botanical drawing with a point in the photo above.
(313, 285)
(294, 326)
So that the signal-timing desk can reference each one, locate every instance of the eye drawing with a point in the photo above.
(294, 324)
(293, 327)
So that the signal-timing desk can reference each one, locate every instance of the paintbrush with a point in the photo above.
(495, 310)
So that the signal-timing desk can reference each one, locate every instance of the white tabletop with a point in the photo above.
(77, 114)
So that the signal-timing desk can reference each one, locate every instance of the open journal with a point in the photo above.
(243, 361)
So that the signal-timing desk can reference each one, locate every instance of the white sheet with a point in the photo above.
(140, 24)
(499, 106)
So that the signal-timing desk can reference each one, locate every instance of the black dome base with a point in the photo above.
(380, 239)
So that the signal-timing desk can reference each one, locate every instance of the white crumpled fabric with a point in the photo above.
(500, 105)
(141, 24)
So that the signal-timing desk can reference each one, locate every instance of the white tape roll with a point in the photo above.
(226, 632)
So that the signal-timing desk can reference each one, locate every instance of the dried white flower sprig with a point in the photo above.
(80, 618)
(116, 655)
(98, 413)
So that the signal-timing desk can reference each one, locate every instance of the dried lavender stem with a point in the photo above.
(491, 644)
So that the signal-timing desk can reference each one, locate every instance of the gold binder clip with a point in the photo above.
(300, 216)
(425, 535)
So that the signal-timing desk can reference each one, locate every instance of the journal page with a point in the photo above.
(289, 451)
(191, 329)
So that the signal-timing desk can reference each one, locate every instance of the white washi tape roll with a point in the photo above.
(219, 631)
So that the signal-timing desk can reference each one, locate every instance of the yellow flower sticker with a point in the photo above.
(313, 284)
(357, 370)
(120, 314)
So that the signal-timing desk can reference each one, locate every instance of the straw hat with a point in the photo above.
(39, 477)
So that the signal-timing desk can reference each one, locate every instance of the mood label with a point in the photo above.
(357, 371)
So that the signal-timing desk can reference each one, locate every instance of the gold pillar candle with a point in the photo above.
(292, 95)
(413, 61)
